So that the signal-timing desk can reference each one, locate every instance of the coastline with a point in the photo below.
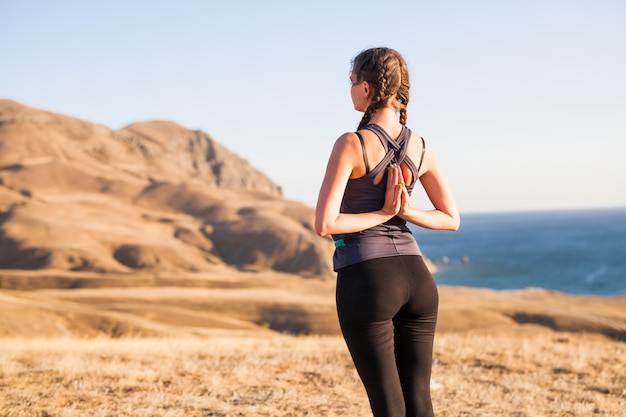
(571, 251)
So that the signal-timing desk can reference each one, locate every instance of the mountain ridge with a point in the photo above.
(152, 196)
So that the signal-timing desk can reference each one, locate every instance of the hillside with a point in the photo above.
(156, 230)
(151, 197)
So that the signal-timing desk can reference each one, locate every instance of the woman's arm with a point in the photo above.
(445, 215)
(345, 156)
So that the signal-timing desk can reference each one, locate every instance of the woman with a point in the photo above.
(386, 298)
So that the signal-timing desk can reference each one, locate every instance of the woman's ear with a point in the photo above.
(368, 90)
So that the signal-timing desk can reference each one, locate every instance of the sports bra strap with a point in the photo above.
(421, 157)
(367, 165)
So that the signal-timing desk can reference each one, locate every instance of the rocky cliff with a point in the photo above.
(153, 196)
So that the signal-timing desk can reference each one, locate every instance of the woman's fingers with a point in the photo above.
(398, 179)
(397, 196)
(395, 187)
(391, 193)
(392, 177)
(401, 195)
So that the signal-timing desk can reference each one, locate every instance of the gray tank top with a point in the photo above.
(391, 238)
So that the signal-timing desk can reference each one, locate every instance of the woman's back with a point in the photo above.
(376, 152)
(366, 190)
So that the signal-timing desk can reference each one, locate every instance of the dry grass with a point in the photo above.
(276, 376)
(548, 374)
(537, 374)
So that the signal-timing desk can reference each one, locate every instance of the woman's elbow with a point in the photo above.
(450, 221)
(455, 223)
(321, 229)
(325, 225)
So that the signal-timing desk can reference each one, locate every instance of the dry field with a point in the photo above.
(209, 345)
(534, 373)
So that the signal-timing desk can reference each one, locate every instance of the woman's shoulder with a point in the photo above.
(416, 141)
(348, 142)
(348, 139)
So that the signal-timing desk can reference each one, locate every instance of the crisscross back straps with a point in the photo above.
(397, 151)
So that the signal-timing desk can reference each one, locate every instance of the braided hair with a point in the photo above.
(386, 71)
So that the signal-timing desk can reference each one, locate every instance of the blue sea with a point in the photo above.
(573, 251)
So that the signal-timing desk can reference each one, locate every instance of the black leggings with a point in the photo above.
(387, 310)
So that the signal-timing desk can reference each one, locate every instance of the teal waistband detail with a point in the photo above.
(339, 242)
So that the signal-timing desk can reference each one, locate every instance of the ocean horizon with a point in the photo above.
(575, 251)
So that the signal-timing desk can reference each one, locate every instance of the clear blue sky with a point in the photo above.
(524, 102)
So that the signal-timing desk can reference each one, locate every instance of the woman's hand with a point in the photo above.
(405, 204)
(396, 196)
(346, 155)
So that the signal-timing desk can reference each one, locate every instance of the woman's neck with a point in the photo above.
(387, 118)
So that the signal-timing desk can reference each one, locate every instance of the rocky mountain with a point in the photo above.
(153, 196)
